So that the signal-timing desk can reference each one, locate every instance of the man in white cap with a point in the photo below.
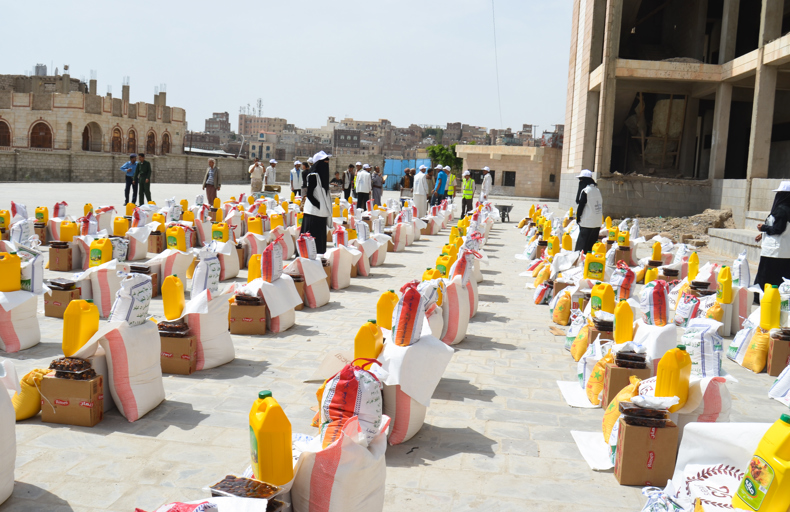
(440, 187)
(256, 176)
(363, 187)
(358, 167)
(589, 211)
(450, 191)
(468, 191)
(421, 190)
(296, 178)
(485, 187)
(269, 178)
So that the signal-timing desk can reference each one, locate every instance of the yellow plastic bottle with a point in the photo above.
(594, 266)
(101, 252)
(299, 218)
(546, 230)
(270, 441)
(173, 297)
(443, 264)
(766, 485)
(693, 266)
(724, 291)
(554, 245)
(10, 272)
(344, 213)
(612, 235)
(120, 225)
(567, 242)
(531, 210)
(570, 212)
(217, 203)
(5, 219)
(184, 205)
(158, 217)
(623, 322)
(188, 216)
(770, 308)
(454, 233)
(352, 234)
(152, 202)
(431, 273)
(284, 205)
(176, 238)
(232, 199)
(255, 225)
(624, 239)
(651, 274)
(369, 341)
(336, 210)
(656, 252)
(130, 209)
(254, 268)
(600, 248)
(220, 232)
(276, 198)
(276, 220)
(451, 250)
(80, 323)
(88, 208)
(384, 308)
(250, 199)
(68, 230)
(262, 209)
(674, 372)
(42, 214)
(608, 222)
(602, 298)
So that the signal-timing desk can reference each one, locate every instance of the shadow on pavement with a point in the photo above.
(472, 342)
(493, 298)
(29, 497)
(458, 389)
(432, 444)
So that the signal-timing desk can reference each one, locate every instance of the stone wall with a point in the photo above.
(730, 194)
(534, 168)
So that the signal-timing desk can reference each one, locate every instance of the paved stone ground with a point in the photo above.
(496, 437)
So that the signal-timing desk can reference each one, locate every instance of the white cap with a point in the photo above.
(466, 173)
(366, 166)
(310, 160)
(585, 174)
(297, 162)
(486, 169)
(359, 164)
(422, 167)
(439, 167)
(447, 168)
(783, 187)
(320, 156)
(272, 161)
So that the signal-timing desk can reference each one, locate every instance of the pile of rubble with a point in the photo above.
(690, 230)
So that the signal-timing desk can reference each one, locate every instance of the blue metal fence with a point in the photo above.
(394, 169)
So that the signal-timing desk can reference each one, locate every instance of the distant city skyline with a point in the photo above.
(408, 61)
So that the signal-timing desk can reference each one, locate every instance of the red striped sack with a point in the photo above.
(138, 243)
(272, 261)
(316, 294)
(409, 315)
(286, 241)
(104, 217)
(306, 246)
(399, 237)
(455, 310)
(141, 217)
(210, 328)
(88, 224)
(339, 236)
(105, 284)
(59, 210)
(380, 255)
(253, 244)
(19, 329)
(407, 415)
(654, 303)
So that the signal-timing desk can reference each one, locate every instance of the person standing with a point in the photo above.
(142, 177)
(406, 180)
(775, 237)
(485, 188)
(468, 191)
(440, 187)
(129, 168)
(421, 189)
(377, 185)
(256, 177)
(212, 182)
(305, 171)
(271, 174)
(450, 191)
(348, 181)
(296, 178)
(589, 211)
(317, 210)
(363, 187)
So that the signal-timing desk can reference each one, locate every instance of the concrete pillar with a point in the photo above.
(721, 130)
(162, 99)
(611, 48)
(590, 130)
(92, 87)
(65, 83)
(729, 30)
(125, 93)
(688, 149)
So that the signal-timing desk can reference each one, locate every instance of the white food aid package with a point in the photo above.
(132, 300)
(705, 347)
(207, 272)
(780, 390)
(207, 317)
(138, 243)
(741, 274)
(105, 283)
(19, 328)
(8, 382)
(22, 231)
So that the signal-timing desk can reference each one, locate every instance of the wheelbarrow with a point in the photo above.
(504, 211)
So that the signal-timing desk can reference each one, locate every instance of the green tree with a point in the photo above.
(443, 155)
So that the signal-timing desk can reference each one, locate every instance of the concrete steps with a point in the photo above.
(732, 242)
(755, 217)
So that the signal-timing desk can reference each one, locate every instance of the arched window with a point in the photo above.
(150, 144)
(86, 139)
(41, 136)
(117, 141)
(5, 134)
(165, 143)
(131, 143)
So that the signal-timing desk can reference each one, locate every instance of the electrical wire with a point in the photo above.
(496, 64)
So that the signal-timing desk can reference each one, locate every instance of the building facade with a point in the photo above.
(253, 125)
(218, 122)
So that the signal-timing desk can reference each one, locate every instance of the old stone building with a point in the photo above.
(58, 113)
(516, 170)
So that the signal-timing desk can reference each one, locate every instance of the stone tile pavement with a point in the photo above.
(496, 437)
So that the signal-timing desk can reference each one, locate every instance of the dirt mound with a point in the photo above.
(686, 228)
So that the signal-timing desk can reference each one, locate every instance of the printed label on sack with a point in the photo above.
(167, 354)
(246, 319)
(756, 483)
(651, 458)
(86, 404)
(64, 403)
(186, 357)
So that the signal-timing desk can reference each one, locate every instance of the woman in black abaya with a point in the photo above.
(317, 210)
(775, 236)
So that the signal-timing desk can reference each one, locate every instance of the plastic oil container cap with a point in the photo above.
(429, 268)
(393, 291)
(682, 347)
(785, 418)
(90, 301)
(372, 321)
(265, 394)
(775, 286)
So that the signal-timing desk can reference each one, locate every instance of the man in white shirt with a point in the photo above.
(269, 178)
(256, 176)
(421, 190)
(363, 187)
(296, 177)
(485, 188)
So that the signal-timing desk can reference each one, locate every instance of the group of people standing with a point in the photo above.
(138, 177)
(362, 182)
(429, 188)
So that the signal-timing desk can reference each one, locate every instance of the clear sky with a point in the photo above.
(409, 61)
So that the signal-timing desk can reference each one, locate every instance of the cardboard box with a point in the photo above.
(645, 456)
(42, 234)
(592, 335)
(56, 301)
(72, 402)
(247, 319)
(154, 284)
(558, 287)
(240, 254)
(354, 271)
(156, 242)
(60, 259)
(178, 355)
(328, 270)
(625, 256)
(98, 362)
(390, 246)
(426, 230)
(4, 234)
(778, 356)
(300, 289)
(617, 378)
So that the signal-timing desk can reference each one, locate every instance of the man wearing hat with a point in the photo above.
(589, 212)
(440, 187)
(128, 168)
(485, 187)
(468, 191)
(269, 178)
(256, 176)
(317, 206)
(450, 194)
(363, 187)
(296, 178)
(348, 181)
(421, 190)
(775, 237)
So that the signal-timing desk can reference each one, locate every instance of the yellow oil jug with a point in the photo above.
(220, 232)
(5, 219)
(188, 216)
(594, 266)
(766, 484)
(623, 322)
(176, 238)
(599, 248)
(88, 208)
(612, 236)
(567, 242)
(624, 239)
(152, 203)
(270, 441)
(724, 291)
(68, 230)
(443, 264)
(191, 268)
(337, 201)
(299, 218)
(602, 298)
(430, 274)
(217, 203)
(693, 266)
(130, 209)
(546, 230)
(454, 233)
(656, 252)
(570, 212)
(101, 252)
(173, 297)
(770, 308)
(255, 225)
(161, 219)
(531, 210)
(120, 225)
(232, 199)
(369, 341)
(336, 210)
(276, 220)
(674, 372)
(80, 323)
(10, 272)
(254, 268)
(651, 274)
(608, 222)
(276, 198)
(352, 234)
(565, 222)
(554, 245)
(451, 250)
(345, 212)
(262, 209)
(42, 214)
(284, 205)
(385, 307)
(184, 205)
(250, 199)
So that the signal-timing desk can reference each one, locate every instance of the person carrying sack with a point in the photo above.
(589, 212)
